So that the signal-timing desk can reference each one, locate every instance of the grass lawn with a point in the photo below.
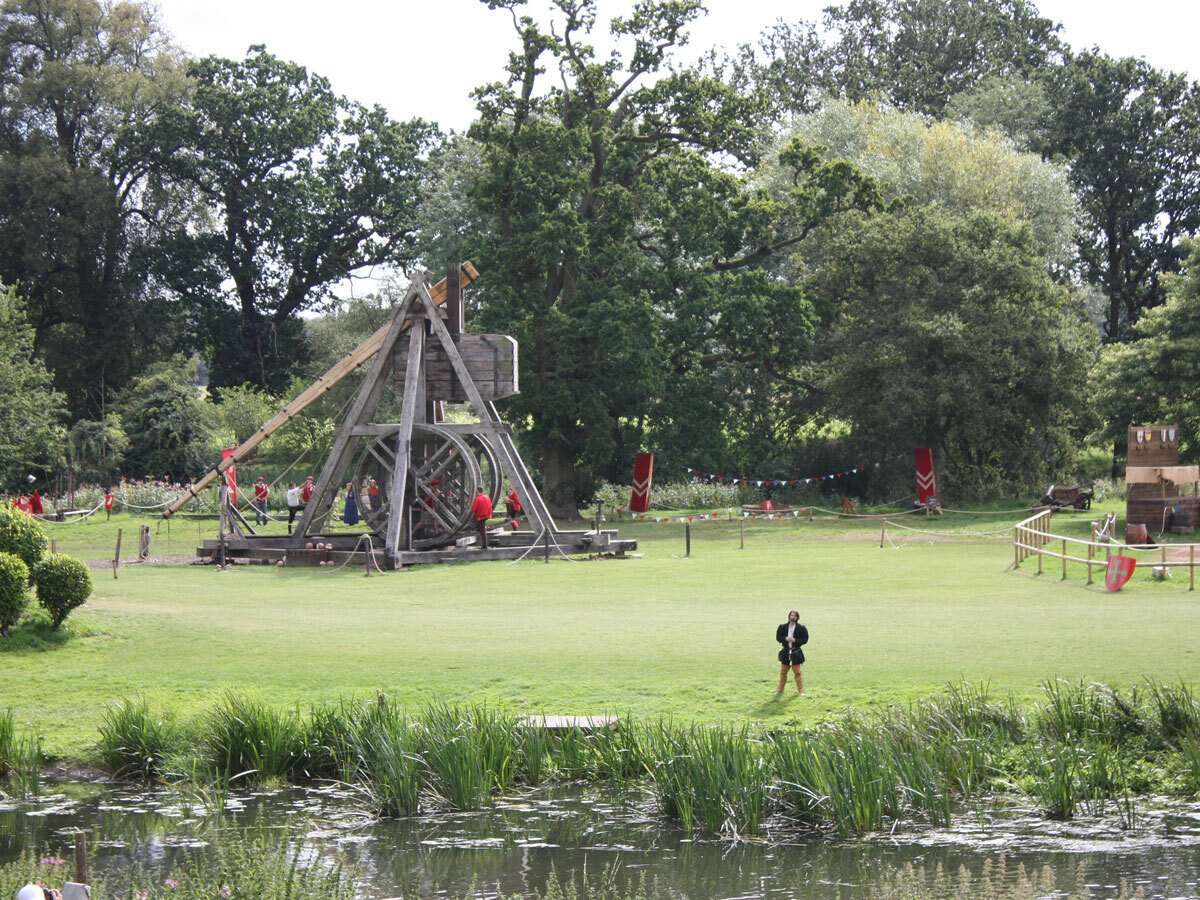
(662, 635)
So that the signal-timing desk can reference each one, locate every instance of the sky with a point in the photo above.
(423, 59)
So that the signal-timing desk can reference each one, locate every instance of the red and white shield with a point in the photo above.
(1120, 570)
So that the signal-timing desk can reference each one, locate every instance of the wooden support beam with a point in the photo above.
(408, 412)
(361, 410)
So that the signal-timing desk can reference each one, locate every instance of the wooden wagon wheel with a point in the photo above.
(492, 477)
(443, 473)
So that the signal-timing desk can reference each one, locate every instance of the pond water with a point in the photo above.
(514, 846)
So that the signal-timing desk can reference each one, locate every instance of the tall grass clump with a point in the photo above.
(1176, 711)
(134, 741)
(468, 753)
(245, 737)
(715, 777)
(389, 769)
(8, 742)
(620, 753)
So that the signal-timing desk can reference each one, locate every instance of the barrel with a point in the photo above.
(1136, 534)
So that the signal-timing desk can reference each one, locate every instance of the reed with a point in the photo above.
(25, 771)
(716, 777)
(1176, 711)
(135, 742)
(246, 737)
(8, 742)
(387, 766)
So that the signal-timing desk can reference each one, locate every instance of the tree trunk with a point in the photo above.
(558, 482)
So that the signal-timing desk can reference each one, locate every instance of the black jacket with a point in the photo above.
(801, 635)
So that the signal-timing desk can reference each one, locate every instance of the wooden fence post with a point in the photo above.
(1064, 543)
(687, 538)
(117, 555)
(883, 534)
(1191, 567)
(743, 546)
(1091, 553)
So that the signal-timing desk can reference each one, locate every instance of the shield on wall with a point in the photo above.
(1120, 570)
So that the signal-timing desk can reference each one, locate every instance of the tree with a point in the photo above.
(953, 165)
(304, 189)
(75, 216)
(1132, 135)
(624, 250)
(30, 409)
(920, 53)
(169, 422)
(1155, 377)
(951, 335)
(96, 449)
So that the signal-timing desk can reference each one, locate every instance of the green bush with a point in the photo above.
(20, 534)
(14, 586)
(63, 583)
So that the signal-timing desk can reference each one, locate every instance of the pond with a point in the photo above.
(571, 831)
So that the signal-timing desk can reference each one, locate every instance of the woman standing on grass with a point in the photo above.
(350, 513)
(791, 635)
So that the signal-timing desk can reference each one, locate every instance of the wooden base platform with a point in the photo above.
(503, 545)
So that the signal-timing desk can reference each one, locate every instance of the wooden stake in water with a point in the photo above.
(81, 873)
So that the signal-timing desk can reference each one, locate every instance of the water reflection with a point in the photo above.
(601, 838)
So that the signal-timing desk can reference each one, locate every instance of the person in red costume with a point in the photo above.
(482, 508)
(513, 502)
(35, 503)
(307, 490)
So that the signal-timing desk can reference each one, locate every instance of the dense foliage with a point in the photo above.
(665, 241)
(21, 536)
(63, 584)
(14, 590)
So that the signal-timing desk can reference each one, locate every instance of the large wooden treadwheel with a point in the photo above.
(443, 475)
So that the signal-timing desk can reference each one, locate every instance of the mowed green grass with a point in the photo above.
(662, 635)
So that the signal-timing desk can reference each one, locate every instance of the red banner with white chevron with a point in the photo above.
(643, 478)
(926, 487)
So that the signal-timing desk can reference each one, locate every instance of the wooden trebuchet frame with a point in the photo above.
(314, 392)
(426, 470)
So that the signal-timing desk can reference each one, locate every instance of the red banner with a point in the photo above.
(1120, 570)
(230, 475)
(926, 487)
(643, 477)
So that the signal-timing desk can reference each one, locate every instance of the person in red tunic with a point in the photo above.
(482, 508)
(307, 491)
(513, 503)
(261, 493)
(35, 503)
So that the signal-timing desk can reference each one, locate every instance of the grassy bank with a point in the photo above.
(1080, 748)
(689, 638)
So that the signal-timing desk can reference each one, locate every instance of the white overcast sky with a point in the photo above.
(424, 58)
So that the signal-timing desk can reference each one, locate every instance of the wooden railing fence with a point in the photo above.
(1033, 537)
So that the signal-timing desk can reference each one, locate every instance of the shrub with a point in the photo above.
(63, 583)
(20, 534)
(14, 585)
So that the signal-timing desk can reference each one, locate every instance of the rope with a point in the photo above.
(74, 521)
(370, 552)
(835, 512)
(892, 503)
(1005, 531)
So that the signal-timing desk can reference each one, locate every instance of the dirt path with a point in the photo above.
(177, 559)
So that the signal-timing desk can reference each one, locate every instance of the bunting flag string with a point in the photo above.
(721, 515)
(774, 482)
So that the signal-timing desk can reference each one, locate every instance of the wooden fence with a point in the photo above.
(1033, 537)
